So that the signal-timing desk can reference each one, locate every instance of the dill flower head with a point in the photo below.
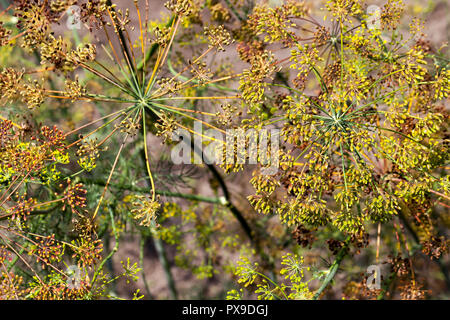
(145, 210)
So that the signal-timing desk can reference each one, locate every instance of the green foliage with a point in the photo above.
(360, 105)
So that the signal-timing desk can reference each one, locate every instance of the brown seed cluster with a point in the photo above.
(47, 250)
(4, 35)
(75, 196)
(218, 37)
(23, 208)
(304, 236)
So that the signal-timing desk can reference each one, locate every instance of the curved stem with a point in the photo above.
(333, 269)
(238, 215)
(147, 164)
(165, 264)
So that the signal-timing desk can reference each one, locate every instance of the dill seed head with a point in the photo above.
(218, 37)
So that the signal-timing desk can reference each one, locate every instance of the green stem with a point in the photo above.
(149, 54)
(333, 269)
(141, 264)
(165, 264)
(194, 197)
(274, 283)
(160, 247)
(386, 286)
(114, 250)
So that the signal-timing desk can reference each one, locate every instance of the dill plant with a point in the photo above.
(145, 95)
(363, 125)
(364, 146)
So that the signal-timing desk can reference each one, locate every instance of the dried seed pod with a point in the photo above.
(74, 89)
(218, 37)
(180, 7)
